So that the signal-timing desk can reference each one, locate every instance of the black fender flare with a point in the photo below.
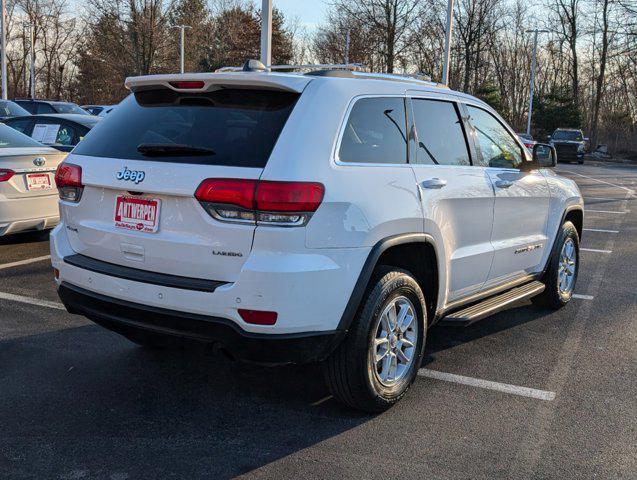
(368, 268)
(566, 211)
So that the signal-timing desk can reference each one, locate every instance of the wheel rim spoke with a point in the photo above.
(393, 346)
(567, 267)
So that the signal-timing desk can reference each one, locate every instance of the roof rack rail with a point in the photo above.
(345, 70)
(310, 66)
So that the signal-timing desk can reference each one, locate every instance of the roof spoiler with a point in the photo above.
(204, 82)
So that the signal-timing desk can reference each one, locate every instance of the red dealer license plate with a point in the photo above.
(139, 214)
(39, 181)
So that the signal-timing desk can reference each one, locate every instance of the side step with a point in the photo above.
(491, 305)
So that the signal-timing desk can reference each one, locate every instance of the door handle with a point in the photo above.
(433, 183)
(503, 183)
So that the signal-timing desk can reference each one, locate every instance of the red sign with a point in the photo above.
(140, 214)
(39, 181)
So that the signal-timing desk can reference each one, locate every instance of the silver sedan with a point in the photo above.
(28, 197)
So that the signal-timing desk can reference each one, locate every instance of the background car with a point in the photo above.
(570, 144)
(50, 106)
(28, 195)
(9, 109)
(527, 140)
(106, 111)
(60, 131)
(96, 109)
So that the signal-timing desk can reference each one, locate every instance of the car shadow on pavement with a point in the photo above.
(443, 338)
(86, 403)
(38, 236)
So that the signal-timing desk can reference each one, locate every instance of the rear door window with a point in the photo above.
(45, 108)
(441, 138)
(27, 105)
(231, 127)
(375, 132)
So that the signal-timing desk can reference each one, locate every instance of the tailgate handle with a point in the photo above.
(132, 252)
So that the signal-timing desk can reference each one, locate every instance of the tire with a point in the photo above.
(553, 296)
(351, 372)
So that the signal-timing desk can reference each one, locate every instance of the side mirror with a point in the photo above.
(544, 155)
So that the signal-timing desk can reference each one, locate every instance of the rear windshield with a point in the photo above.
(567, 135)
(231, 127)
(10, 138)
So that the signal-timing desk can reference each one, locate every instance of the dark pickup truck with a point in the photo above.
(570, 144)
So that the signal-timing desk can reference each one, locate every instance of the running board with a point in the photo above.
(491, 305)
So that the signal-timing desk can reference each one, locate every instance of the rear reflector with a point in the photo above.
(6, 174)
(188, 84)
(257, 317)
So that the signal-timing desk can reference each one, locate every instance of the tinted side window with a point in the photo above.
(440, 134)
(27, 105)
(45, 108)
(497, 146)
(375, 132)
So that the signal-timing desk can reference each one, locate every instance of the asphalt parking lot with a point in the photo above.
(527, 393)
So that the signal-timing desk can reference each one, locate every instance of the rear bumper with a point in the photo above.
(309, 291)
(28, 213)
(129, 318)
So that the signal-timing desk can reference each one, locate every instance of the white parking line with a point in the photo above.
(322, 400)
(583, 297)
(24, 262)
(31, 301)
(489, 385)
(588, 210)
(605, 199)
(629, 190)
(602, 230)
(595, 250)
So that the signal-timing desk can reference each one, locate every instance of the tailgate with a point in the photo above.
(157, 224)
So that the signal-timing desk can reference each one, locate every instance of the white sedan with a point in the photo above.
(28, 196)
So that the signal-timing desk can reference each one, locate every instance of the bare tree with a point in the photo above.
(568, 27)
(390, 20)
(475, 25)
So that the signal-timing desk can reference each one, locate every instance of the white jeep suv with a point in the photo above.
(331, 216)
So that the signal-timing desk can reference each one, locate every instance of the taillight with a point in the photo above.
(260, 201)
(68, 179)
(6, 174)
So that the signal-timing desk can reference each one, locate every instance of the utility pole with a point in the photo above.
(31, 28)
(347, 39)
(182, 47)
(532, 85)
(3, 45)
(266, 33)
(448, 30)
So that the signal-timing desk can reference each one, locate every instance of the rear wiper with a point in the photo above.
(168, 149)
